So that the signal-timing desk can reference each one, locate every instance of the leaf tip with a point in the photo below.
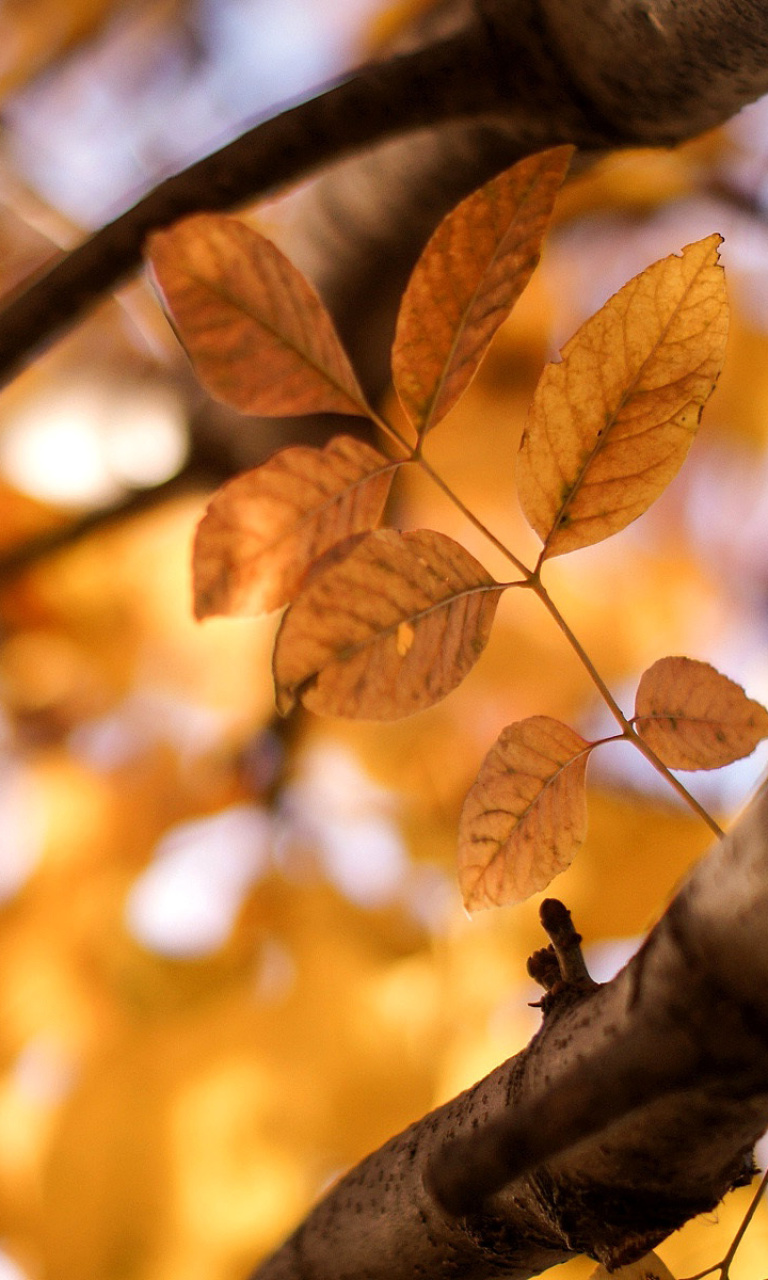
(285, 700)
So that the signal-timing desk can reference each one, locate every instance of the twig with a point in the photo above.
(566, 943)
(615, 1081)
(532, 580)
(724, 1266)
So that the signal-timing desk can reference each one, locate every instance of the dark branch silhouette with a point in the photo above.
(530, 73)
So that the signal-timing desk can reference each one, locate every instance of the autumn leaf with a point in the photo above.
(257, 333)
(388, 630)
(694, 717)
(525, 816)
(650, 1267)
(264, 529)
(611, 424)
(466, 282)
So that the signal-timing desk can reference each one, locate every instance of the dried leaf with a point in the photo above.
(611, 424)
(650, 1267)
(526, 814)
(388, 630)
(257, 333)
(695, 718)
(466, 282)
(264, 529)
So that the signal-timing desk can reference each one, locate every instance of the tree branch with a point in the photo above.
(535, 72)
(446, 80)
(635, 1107)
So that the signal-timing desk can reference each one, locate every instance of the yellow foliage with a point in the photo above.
(168, 1116)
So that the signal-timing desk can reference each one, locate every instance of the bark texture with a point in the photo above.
(505, 77)
(635, 1107)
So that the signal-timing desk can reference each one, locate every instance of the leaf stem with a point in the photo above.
(387, 428)
(532, 579)
(470, 515)
(628, 730)
(675, 783)
(748, 1216)
(537, 586)
(724, 1267)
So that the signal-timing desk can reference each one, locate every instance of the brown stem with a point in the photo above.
(724, 1266)
(628, 730)
(566, 942)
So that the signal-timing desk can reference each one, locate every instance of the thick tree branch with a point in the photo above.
(447, 80)
(598, 73)
(635, 1107)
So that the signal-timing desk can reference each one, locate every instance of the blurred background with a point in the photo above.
(233, 957)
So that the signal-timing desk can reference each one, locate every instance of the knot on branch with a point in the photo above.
(559, 967)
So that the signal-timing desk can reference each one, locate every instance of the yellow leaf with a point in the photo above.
(466, 282)
(525, 816)
(388, 630)
(650, 1267)
(257, 333)
(611, 424)
(264, 529)
(695, 718)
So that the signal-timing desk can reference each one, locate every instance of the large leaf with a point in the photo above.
(386, 630)
(264, 529)
(611, 424)
(694, 717)
(525, 816)
(466, 282)
(256, 332)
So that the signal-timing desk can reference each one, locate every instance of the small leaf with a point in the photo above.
(611, 424)
(466, 282)
(390, 629)
(650, 1267)
(264, 529)
(695, 718)
(257, 333)
(525, 816)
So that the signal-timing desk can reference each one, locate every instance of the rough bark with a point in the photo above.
(635, 1107)
(530, 73)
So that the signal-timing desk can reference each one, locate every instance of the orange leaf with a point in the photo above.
(466, 282)
(264, 529)
(695, 718)
(257, 333)
(388, 630)
(526, 814)
(649, 1267)
(611, 424)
